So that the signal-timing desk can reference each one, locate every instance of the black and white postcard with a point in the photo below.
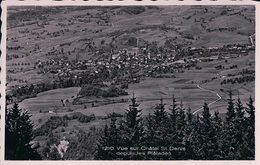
(127, 81)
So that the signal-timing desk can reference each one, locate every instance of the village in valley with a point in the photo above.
(88, 63)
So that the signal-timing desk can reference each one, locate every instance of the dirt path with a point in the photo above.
(219, 98)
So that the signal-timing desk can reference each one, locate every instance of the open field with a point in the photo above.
(48, 101)
(50, 98)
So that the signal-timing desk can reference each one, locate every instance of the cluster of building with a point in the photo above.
(135, 63)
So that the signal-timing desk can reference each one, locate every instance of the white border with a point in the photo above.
(6, 3)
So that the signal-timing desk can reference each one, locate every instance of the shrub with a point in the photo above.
(52, 123)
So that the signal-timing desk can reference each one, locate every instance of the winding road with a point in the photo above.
(219, 98)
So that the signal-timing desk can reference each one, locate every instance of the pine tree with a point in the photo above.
(133, 126)
(108, 143)
(243, 149)
(206, 120)
(161, 125)
(18, 135)
(239, 126)
(172, 134)
(250, 129)
(217, 122)
(230, 115)
(228, 142)
(195, 139)
(150, 131)
(160, 114)
(113, 133)
(207, 134)
(239, 109)
(251, 112)
(101, 153)
(173, 113)
(188, 134)
(180, 132)
(217, 126)
(189, 123)
(133, 116)
(180, 123)
(189, 116)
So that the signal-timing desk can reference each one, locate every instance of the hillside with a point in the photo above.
(37, 34)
